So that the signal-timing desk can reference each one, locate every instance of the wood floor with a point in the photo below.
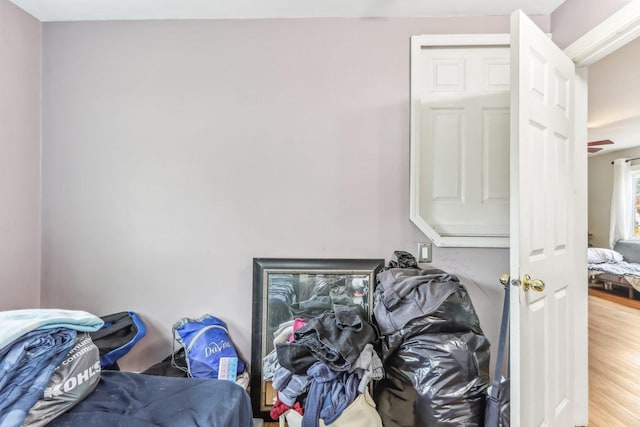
(614, 362)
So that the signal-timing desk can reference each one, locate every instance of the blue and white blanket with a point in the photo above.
(16, 323)
(33, 343)
(25, 369)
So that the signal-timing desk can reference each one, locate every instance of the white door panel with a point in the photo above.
(543, 243)
(464, 149)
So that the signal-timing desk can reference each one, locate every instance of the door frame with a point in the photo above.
(614, 32)
(618, 29)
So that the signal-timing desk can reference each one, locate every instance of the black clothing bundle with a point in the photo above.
(336, 338)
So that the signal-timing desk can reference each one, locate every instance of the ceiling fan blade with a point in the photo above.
(593, 149)
(601, 142)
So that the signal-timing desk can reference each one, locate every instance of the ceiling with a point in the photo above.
(91, 10)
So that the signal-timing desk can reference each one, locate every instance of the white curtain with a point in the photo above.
(621, 202)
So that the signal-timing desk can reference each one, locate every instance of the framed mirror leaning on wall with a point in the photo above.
(285, 289)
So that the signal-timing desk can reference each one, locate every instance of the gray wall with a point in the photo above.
(20, 43)
(175, 152)
(600, 189)
(614, 86)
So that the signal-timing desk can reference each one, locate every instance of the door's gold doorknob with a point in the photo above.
(535, 284)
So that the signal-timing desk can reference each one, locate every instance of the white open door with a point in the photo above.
(545, 239)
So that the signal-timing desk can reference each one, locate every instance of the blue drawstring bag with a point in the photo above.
(209, 350)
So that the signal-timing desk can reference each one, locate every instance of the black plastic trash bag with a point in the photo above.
(434, 380)
(166, 368)
(436, 358)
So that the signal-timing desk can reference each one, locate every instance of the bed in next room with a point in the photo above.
(615, 268)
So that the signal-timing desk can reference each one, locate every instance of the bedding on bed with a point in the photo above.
(619, 268)
(598, 255)
(622, 269)
(127, 399)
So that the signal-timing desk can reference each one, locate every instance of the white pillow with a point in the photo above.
(598, 255)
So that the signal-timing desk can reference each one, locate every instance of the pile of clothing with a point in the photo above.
(322, 366)
(48, 363)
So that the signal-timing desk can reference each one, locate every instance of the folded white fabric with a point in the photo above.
(16, 323)
(360, 413)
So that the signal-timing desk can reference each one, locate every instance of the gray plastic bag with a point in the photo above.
(76, 376)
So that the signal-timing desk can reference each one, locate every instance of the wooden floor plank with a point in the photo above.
(614, 361)
(612, 296)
